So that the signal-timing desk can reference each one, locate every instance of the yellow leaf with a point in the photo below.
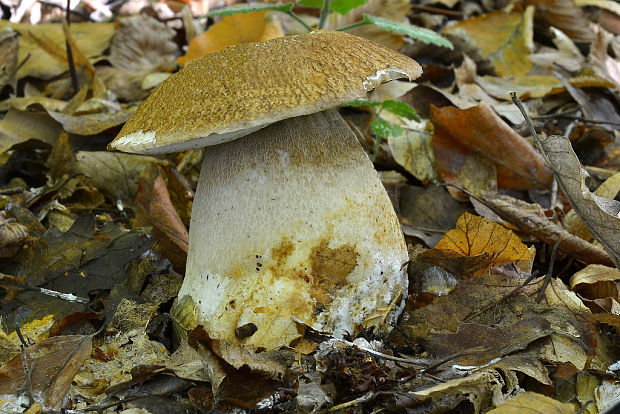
(232, 30)
(531, 402)
(503, 38)
(477, 236)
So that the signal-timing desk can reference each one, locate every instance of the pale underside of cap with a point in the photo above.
(292, 224)
(233, 92)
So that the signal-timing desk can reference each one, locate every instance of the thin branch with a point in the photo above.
(74, 78)
(549, 274)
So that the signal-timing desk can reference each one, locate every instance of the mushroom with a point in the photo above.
(290, 222)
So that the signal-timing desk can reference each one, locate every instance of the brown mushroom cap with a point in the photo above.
(231, 93)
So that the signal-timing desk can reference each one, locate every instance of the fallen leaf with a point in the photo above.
(413, 151)
(8, 57)
(475, 236)
(601, 215)
(92, 39)
(478, 131)
(535, 403)
(505, 38)
(597, 282)
(53, 362)
(115, 174)
(571, 221)
(566, 16)
(143, 44)
(396, 10)
(497, 341)
(566, 55)
(531, 218)
(168, 228)
(427, 213)
(232, 30)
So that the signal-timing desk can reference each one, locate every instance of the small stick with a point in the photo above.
(549, 274)
(436, 10)
(74, 79)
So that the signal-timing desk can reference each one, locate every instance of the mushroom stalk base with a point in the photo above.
(291, 223)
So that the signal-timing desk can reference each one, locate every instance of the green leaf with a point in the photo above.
(414, 32)
(339, 6)
(400, 108)
(247, 8)
(382, 128)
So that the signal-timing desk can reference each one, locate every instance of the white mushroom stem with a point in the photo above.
(292, 221)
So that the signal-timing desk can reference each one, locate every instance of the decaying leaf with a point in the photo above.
(168, 228)
(601, 215)
(53, 363)
(534, 402)
(505, 38)
(427, 213)
(232, 30)
(396, 10)
(477, 237)
(115, 174)
(413, 151)
(531, 218)
(566, 16)
(597, 281)
(479, 132)
(143, 44)
(91, 38)
(12, 234)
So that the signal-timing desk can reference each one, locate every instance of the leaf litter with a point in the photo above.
(513, 300)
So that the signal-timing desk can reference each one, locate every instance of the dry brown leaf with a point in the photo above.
(20, 126)
(396, 10)
(571, 221)
(478, 132)
(168, 228)
(475, 236)
(535, 86)
(91, 38)
(503, 38)
(597, 282)
(566, 55)
(414, 152)
(534, 403)
(115, 174)
(8, 57)
(566, 16)
(143, 44)
(232, 30)
(12, 234)
(54, 362)
(601, 215)
(531, 218)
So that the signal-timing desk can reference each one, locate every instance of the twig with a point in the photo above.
(519, 105)
(549, 274)
(11, 191)
(436, 10)
(513, 292)
(25, 286)
(75, 12)
(74, 79)
(20, 336)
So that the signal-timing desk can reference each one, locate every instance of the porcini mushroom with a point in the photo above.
(290, 221)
